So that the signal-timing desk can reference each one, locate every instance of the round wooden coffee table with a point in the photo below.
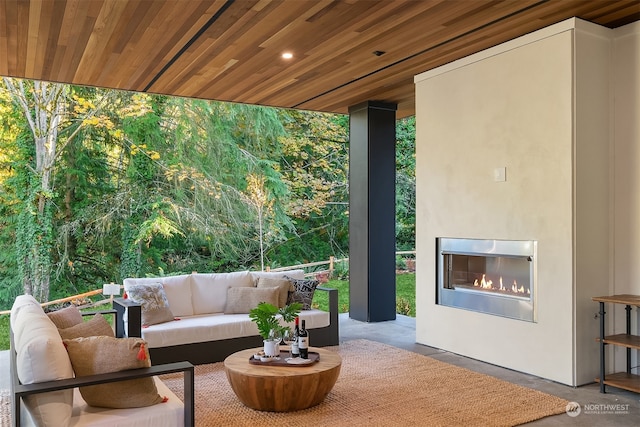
(282, 388)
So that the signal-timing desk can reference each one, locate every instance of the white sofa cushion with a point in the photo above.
(41, 356)
(209, 291)
(212, 327)
(176, 288)
(24, 307)
(168, 414)
(294, 274)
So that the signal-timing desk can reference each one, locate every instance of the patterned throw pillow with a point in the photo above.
(97, 326)
(303, 292)
(101, 355)
(152, 298)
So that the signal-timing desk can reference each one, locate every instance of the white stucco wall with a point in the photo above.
(514, 106)
(626, 173)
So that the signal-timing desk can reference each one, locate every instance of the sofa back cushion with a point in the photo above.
(209, 291)
(294, 274)
(41, 356)
(176, 288)
(178, 291)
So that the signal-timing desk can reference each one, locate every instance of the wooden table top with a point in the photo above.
(239, 362)
(619, 299)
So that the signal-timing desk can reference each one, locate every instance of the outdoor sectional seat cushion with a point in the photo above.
(168, 414)
(213, 327)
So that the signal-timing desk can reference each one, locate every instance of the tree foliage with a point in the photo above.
(405, 184)
(314, 164)
(10, 128)
(116, 184)
(45, 108)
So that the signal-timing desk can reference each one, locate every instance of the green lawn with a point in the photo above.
(4, 332)
(405, 301)
(405, 295)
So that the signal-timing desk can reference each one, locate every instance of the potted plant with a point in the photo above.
(266, 317)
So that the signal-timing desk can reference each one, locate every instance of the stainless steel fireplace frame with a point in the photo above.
(514, 307)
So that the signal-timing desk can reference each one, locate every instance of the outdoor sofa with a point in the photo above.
(44, 386)
(209, 313)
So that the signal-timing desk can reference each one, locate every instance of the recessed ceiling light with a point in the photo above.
(287, 55)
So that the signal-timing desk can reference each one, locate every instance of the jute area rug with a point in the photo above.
(380, 385)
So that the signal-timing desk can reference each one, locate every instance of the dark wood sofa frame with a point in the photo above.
(19, 391)
(216, 351)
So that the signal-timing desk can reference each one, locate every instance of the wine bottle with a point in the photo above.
(303, 341)
(295, 352)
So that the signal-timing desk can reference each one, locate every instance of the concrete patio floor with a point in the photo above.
(401, 333)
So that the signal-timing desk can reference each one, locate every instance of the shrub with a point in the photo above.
(403, 306)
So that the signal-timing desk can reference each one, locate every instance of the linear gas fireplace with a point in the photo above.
(490, 276)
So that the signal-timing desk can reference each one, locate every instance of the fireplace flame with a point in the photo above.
(485, 283)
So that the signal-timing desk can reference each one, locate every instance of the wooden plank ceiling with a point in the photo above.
(344, 52)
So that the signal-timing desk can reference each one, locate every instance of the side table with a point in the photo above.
(625, 380)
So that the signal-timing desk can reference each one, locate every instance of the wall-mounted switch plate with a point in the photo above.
(500, 174)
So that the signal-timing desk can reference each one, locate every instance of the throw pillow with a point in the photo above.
(101, 355)
(97, 326)
(152, 298)
(243, 299)
(284, 286)
(303, 292)
(66, 317)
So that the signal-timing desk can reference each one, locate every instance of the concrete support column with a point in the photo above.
(372, 172)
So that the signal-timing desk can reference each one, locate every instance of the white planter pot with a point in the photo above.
(271, 348)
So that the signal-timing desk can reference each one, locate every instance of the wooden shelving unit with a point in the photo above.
(624, 380)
